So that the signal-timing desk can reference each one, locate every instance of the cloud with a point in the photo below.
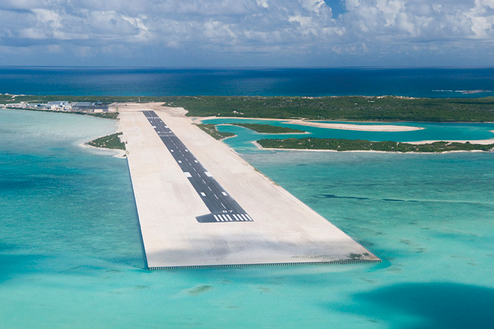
(285, 27)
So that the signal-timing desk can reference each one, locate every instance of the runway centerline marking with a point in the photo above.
(218, 206)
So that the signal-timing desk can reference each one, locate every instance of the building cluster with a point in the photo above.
(86, 107)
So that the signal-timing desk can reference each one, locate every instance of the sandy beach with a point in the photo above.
(284, 230)
(349, 126)
(121, 154)
(342, 126)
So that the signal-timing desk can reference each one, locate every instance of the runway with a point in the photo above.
(223, 207)
(188, 186)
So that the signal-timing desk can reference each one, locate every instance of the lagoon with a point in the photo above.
(71, 256)
(432, 131)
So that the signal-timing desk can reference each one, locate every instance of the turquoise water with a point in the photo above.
(432, 131)
(70, 252)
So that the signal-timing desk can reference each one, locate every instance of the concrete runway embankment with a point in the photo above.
(283, 231)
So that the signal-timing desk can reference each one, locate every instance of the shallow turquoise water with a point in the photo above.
(431, 131)
(70, 251)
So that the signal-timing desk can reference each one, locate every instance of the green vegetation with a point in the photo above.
(358, 108)
(268, 129)
(212, 131)
(109, 142)
(105, 115)
(364, 145)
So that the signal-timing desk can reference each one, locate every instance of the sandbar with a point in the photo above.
(349, 126)
(342, 126)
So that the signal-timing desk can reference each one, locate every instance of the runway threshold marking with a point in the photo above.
(223, 207)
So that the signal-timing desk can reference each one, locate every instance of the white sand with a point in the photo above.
(349, 126)
(121, 154)
(343, 126)
(284, 229)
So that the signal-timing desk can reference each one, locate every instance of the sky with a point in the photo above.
(247, 33)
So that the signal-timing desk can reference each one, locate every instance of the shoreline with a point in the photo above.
(232, 124)
(339, 120)
(479, 141)
(276, 235)
(311, 123)
(355, 127)
(119, 154)
(371, 151)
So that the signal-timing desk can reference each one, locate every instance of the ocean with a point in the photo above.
(435, 83)
(71, 256)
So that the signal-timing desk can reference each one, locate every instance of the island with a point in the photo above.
(342, 145)
(299, 110)
(349, 108)
(200, 204)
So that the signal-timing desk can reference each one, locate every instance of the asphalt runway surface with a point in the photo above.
(222, 206)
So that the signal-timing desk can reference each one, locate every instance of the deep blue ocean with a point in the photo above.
(70, 248)
(435, 83)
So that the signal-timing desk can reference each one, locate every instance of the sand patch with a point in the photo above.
(349, 126)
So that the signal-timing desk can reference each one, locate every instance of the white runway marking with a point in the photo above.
(173, 143)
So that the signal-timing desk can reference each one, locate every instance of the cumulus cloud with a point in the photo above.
(230, 26)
